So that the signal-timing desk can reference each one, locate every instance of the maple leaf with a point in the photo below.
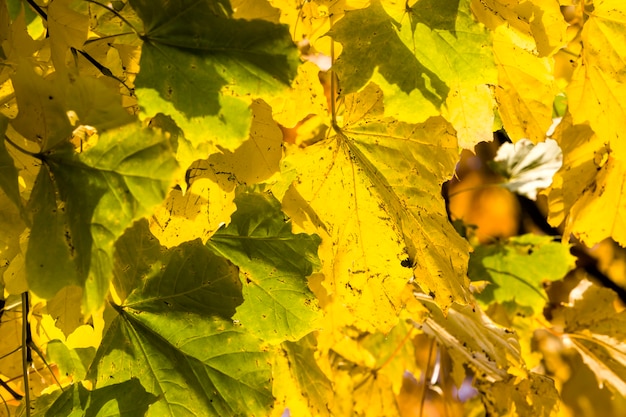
(201, 292)
(541, 24)
(208, 54)
(274, 264)
(596, 330)
(81, 203)
(596, 93)
(385, 213)
(131, 399)
(518, 267)
(587, 196)
(436, 69)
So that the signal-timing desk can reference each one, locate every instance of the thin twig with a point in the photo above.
(6, 407)
(102, 38)
(333, 87)
(34, 347)
(25, 352)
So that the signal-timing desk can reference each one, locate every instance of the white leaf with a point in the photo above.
(528, 167)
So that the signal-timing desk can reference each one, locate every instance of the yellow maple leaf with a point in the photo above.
(587, 194)
(526, 88)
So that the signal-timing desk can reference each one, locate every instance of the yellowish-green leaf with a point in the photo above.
(445, 58)
(256, 159)
(307, 378)
(274, 264)
(516, 269)
(539, 23)
(42, 114)
(67, 29)
(65, 308)
(81, 203)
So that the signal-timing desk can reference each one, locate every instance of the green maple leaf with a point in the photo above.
(81, 203)
(131, 399)
(517, 269)
(8, 172)
(181, 342)
(195, 57)
(274, 265)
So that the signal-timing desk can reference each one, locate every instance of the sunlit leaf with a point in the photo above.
(535, 396)
(65, 308)
(587, 196)
(304, 99)
(540, 23)
(308, 378)
(527, 88)
(371, 188)
(444, 56)
(597, 93)
(472, 338)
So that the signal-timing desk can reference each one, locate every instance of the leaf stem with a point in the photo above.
(333, 88)
(103, 70)
(25, 352)
(425, 382)
(19, 148)
(38, 9)
(397, 349)
(93, 40)
(6, 407)
(10, 390)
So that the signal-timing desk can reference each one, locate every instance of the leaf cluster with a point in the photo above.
(198, 217)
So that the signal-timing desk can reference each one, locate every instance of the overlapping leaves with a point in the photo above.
(197, 340)
(81, 203)
(195, 49)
